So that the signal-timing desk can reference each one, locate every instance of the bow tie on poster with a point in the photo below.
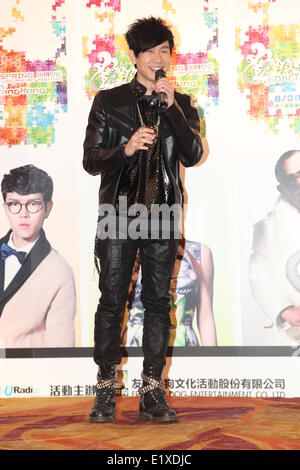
(8, 251)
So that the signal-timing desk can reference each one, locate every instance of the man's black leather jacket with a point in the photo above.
(113, 120)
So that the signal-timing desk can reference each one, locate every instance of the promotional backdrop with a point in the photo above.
(239, 60)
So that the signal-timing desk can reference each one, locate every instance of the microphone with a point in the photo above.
(162, 97)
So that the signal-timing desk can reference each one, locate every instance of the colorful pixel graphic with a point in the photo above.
(193, 73)
(270, 71)
(32, 92)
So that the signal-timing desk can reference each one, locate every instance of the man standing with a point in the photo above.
(136, 136)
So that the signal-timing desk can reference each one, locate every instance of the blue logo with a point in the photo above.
(8, 391)
(12, 390)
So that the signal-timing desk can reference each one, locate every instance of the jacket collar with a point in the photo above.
(137, 88)
(40, 250)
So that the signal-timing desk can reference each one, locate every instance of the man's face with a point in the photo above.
(25, 225)
(290, 188)
(148, 62)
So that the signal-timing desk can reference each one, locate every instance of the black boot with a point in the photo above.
(153, 404)
(104, 408)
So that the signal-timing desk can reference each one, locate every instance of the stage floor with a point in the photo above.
(204, 423)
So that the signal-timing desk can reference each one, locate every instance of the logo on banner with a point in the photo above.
(13, 390)
(195, 74)
(269, 71)
(33, 88)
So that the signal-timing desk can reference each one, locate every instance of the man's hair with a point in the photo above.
(279, 168)
(146, 33)
(27, 179)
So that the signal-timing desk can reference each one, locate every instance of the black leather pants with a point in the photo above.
(117, 257)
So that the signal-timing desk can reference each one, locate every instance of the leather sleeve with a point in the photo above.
(185, 126)
(98, 156)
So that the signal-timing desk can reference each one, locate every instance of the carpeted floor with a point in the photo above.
(204, 423)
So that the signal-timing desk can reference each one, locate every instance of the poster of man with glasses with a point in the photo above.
(37, 291)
